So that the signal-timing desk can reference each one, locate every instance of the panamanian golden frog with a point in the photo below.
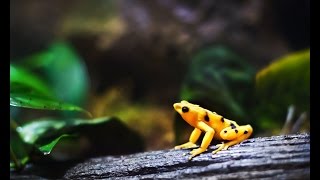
(214, 125)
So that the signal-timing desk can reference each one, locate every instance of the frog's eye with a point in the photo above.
(185, 109)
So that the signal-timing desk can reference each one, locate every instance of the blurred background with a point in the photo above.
(127, 62)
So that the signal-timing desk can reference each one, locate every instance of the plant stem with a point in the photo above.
(14, 158)
(18, 166)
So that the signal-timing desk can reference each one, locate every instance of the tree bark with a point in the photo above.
(280, 157)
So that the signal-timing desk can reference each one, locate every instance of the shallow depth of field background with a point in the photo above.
(129, 61)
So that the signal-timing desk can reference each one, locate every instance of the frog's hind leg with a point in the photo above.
(235, 135)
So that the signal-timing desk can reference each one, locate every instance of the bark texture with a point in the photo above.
(280, 157)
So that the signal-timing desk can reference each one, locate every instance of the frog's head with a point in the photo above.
(188, 111)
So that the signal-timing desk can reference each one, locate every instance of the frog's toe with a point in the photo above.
(225, 147)
(219, 148)
(220, 144)
(196, 152)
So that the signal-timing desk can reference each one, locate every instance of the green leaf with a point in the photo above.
(63, 69)
(19, 150)
(106, 132)
(23, 80)
(48, 127)
(47, 148)
(29, 100)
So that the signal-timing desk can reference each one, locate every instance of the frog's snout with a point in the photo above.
(176, 106)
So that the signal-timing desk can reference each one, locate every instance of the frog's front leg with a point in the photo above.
(192, 140)
(206, 139)
(235, 135)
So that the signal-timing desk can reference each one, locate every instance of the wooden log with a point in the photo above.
(280, 157)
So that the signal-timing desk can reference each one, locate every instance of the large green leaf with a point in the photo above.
(108, 133)
(49, 127)
(23, 80)
(41, 136)
(63, 69)
(33, 101)
(47, 148)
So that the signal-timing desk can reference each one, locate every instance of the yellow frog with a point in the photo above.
(214, 125)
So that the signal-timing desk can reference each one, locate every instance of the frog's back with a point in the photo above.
(218, 123)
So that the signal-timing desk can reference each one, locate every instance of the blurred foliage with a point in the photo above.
(220, 80)
(47, 148)
(63, 69)
(285, 82)
(64, 79)
(125, 41)
(23, 80)
(19, 150)
(28, 91)
(41, 131)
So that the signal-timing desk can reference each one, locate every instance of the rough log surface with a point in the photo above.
(280, 157)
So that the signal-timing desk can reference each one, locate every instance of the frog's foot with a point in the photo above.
(225, 147)
(222, 143)
(220, 147)
(196, 152)
(186, 145)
